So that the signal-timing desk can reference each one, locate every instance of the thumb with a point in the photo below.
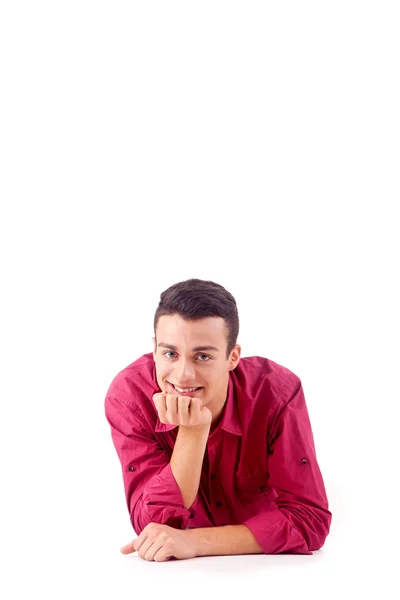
(129, 548)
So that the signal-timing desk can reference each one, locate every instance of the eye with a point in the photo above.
(205, 358)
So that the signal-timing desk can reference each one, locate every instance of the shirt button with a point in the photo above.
(304, 461)
(212, 477)
(262, 488)
(131, 468)
(218, 504)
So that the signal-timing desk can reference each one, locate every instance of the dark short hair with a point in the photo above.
(196, 299)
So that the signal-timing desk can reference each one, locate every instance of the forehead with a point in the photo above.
(173, 329)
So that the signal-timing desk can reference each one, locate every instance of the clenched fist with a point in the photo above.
(182, 410)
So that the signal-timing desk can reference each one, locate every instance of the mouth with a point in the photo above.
(185, 392)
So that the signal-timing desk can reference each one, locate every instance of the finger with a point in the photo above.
(128, 548)
(146, 547)
(162, 555)
(172, 408)
(160, 404)
(136, 544)
(183, 409)
(194, 410)
(159, 399)
(152, 550)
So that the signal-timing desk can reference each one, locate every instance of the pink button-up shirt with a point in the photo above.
(260, 467)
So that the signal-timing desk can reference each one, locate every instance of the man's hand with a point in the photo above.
(182, 410)
(160, 542)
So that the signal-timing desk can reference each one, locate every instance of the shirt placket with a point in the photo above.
(218, 506)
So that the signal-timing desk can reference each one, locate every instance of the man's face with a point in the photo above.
(192, 354)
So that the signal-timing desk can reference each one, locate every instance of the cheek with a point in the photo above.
(164, 370)
(160, 370)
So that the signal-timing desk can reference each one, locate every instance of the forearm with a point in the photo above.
(230, 539)
(187, 460)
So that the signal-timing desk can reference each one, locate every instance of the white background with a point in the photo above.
(255, 144)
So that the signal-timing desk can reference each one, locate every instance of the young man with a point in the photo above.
(217, 451)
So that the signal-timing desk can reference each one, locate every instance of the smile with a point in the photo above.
(190, 390)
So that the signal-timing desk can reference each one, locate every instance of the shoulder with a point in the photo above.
(134, 381)
(262, 372)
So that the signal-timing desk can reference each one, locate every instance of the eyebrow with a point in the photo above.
(197, 349)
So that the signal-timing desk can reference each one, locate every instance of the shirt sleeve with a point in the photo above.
(299, 521)
(151, 491)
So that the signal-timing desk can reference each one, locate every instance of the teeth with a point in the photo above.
(184, 390)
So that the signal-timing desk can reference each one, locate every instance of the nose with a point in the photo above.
(185, 373)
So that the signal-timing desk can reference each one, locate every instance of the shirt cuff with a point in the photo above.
(163, 501)
(275, 534)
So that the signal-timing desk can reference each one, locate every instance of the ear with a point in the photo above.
(154, 347)
(234, 357)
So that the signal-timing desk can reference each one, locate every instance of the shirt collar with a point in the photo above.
(230, 419)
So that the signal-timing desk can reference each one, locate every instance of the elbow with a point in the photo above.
(312, 525)
(319, 531)
(317, 543)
